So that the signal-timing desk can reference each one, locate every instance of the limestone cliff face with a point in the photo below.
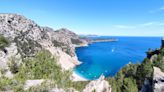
(157, 84)
(27, 38)
(158, 80)
(99, 85)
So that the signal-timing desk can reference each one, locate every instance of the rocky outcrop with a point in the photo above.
(158, 80)
(6, 57)
(99, 85)
(29, 38)
(154, 58)
(65, 39)
(32, 83)
(56, 90)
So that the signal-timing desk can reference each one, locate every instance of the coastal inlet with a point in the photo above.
(109, 56)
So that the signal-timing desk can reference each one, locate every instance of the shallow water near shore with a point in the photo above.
(108, 58)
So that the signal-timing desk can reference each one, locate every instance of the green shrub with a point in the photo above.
(130, 85)
(5, 83)
(13, 65)
(3, 42)
(159, 62)
(145, 70)
(42, 66)
(115, 86)
(131, 77)
(79, 85)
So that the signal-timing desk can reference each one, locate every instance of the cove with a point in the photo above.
(108, 58)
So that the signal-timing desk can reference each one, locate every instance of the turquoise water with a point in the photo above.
(108, 58)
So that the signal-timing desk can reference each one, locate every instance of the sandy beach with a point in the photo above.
(76, 77)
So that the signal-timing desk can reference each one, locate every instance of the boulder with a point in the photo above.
(99, 85)
(158, 80)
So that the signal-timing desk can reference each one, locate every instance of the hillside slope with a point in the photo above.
(35, 58)
(29, 38)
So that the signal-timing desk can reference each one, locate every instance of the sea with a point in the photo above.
(107, 58)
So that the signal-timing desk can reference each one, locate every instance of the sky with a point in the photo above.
(100, 17)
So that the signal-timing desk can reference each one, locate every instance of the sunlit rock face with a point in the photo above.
(158, 80)
(29, 38)
(99, 85)
(11, 53)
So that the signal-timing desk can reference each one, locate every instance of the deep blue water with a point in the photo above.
(108, 58)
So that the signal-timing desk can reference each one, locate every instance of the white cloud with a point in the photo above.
(157, 10)
(148, 24)
(142, 25)
(157, 23)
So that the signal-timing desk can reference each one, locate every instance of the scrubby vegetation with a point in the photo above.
(160, 61)
(7, 84)
(26, 47)
(58, 44)
(131, 77)
(124, 81)
(4, 42)
(42, 66)
(75, 41)
(13, 65)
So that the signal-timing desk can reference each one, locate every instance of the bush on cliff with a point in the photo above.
(160, 62)
(131, 77)
(4, 83)
(44, 66)
(3, 42)
(124, 79)
(13, 65)
(129, 85)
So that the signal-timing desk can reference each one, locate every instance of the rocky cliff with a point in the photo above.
(21, 40)
(99, 85)
(27, 38)
(158, 80)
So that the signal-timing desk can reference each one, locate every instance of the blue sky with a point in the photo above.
(101, 17)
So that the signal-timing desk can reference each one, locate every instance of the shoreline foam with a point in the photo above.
(77, 77)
